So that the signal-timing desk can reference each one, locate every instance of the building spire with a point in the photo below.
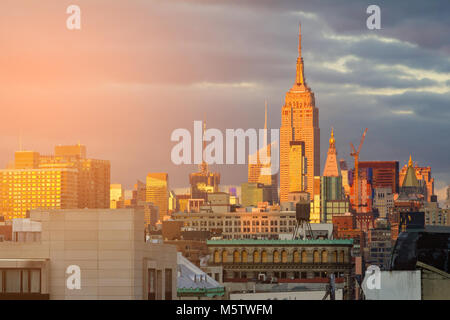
(331, 167)
(299, 40)
(410, 163)
(265, 115)
(332, 141)
(204, 165)
(300, 78)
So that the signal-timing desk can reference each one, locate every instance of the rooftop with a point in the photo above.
(279, 242)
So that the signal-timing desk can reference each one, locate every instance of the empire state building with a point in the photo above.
(299, 122)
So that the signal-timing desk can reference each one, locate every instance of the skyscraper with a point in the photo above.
(385, 173)
(299, 122)
(203, 182)
(332, 196)
(48, 181)
(93, 174)
(24, 189)
(331, 167)
(257, 167)
(157, 191)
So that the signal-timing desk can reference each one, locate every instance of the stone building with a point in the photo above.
(283, 260)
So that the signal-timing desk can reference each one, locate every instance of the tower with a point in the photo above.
(331, 166)
(258, 167)
(299, 122)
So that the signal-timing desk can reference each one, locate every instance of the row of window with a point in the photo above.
(20, 281)
(279, 256)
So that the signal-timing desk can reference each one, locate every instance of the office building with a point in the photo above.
(24, 189)
(383, 201)
(254, 193)
(384, 174)
(108, 247)
(157, 192)
(299, 122)
(260, 166)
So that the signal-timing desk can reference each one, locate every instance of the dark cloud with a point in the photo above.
(141, 69)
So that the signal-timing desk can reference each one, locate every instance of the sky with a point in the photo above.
(137, 70)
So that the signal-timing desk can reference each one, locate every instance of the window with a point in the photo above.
(316, 256)
(256, 256)
(168, 284)
(276, 256)
(151, 284)
(236, 257)
(264, 256)
(159, 285)
(20, 280)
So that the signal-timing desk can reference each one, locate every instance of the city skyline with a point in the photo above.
(391, 104)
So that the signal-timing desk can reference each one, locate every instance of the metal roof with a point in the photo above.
(279, 242)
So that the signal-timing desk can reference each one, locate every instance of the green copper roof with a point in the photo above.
(278, 242)
(410, 178)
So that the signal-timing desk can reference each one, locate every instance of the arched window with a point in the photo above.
(264, 256)
(335, 257)
(224, 256)
(324, 256)
(341, 256)
(296, 257)
(244, 256)
(256, 256)
(216, 256)
(276, 256)
(284, 257)
(236, 256)
(304, 256)
(316, 256)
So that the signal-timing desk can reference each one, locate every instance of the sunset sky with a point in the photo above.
(139, 69)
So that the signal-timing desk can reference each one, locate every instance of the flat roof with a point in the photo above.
(279, 242)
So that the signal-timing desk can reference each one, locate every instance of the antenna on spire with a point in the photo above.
(299, 39)
(265, 114)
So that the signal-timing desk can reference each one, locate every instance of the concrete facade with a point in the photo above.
(108, 246)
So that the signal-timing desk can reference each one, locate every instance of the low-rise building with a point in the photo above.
(102, 250)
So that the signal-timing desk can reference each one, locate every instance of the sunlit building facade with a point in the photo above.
(24, 189)
(423, 174)
(297, 167)
(157, 191)
(260, 166)
(299, 122)
(116, 195)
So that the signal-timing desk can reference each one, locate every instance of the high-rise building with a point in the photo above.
(299, 122)
(344, 172)
(203, 181)
(157, 192)
(93, 175)
(92, 178)
(331, 167)
(260, 166)
(26, 160)
(24, 189)
(254, 193)
(365, 191)
(332, 196)
(422, 174)
(384, 173)
(115, 195)
(383, 201)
